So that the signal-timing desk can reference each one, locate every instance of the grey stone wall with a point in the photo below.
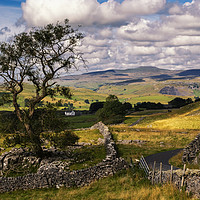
(50, 175)
(191, 179)
(192, 150)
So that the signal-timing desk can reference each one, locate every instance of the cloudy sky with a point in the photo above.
(119, 34)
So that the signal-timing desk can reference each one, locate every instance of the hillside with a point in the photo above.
(94, 80)
(191, 72)
(187, 118)
(132, 85)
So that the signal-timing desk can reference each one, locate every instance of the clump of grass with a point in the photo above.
(88, 136)
(177, 160)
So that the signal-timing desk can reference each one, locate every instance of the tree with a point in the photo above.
(96, 106)
(87, 101)
(46, 120)
(112, 112)
(38, 56)
(179, 102)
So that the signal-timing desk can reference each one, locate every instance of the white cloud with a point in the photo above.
(175, 10)
(87, 12)
(124, 35)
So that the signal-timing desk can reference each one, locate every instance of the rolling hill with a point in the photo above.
(94, 80)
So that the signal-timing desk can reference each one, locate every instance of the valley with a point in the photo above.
(157, 131)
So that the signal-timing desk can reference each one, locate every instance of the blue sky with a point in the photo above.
(127, 35)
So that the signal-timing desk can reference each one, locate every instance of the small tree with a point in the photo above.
(112, 112)
(38, 56)
(96, 106)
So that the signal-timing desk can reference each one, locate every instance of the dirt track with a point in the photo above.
(162, 157)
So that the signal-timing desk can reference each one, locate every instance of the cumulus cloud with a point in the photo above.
(87, 12)
(126, 34)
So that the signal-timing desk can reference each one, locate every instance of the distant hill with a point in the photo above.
(143, 69)
(100, 72)
(95, 80)
(128, 82)
(191, 72)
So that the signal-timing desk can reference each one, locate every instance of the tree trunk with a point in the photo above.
(35, 140)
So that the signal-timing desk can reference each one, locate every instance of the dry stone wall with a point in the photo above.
(51, 175)
(192, 150)
(191, 179)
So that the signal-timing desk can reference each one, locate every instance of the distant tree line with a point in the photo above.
(175, 103)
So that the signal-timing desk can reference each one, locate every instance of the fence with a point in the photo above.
(158, 168)
(143, 165)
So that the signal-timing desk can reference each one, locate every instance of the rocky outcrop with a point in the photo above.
(170, 91)
(53, 174)
(17, 156)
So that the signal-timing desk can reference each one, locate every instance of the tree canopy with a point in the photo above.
(38, 56)
(113, 110)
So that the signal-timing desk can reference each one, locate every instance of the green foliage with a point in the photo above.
(38, 56)
(61, 139)
(5, 97)
(179, 102)
(113, 111)
(87, 101)
(45, 119)
(96, 106)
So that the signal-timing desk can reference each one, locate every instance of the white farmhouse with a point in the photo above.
(72, 113)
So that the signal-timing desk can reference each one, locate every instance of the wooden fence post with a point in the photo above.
(182, 181)
(131, 162)
(161, 172)
(154, 167)
(171, 175)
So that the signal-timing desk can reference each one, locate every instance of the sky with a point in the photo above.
(119, 34)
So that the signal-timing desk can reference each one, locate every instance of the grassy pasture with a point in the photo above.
(133, 93)
(83, 121)
(185, 118)
(88, 136)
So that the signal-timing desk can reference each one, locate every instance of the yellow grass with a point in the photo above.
(189, 120)
(171, 139)
(88, 136)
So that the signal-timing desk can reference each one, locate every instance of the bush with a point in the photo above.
(62, 139)
(94, 107)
